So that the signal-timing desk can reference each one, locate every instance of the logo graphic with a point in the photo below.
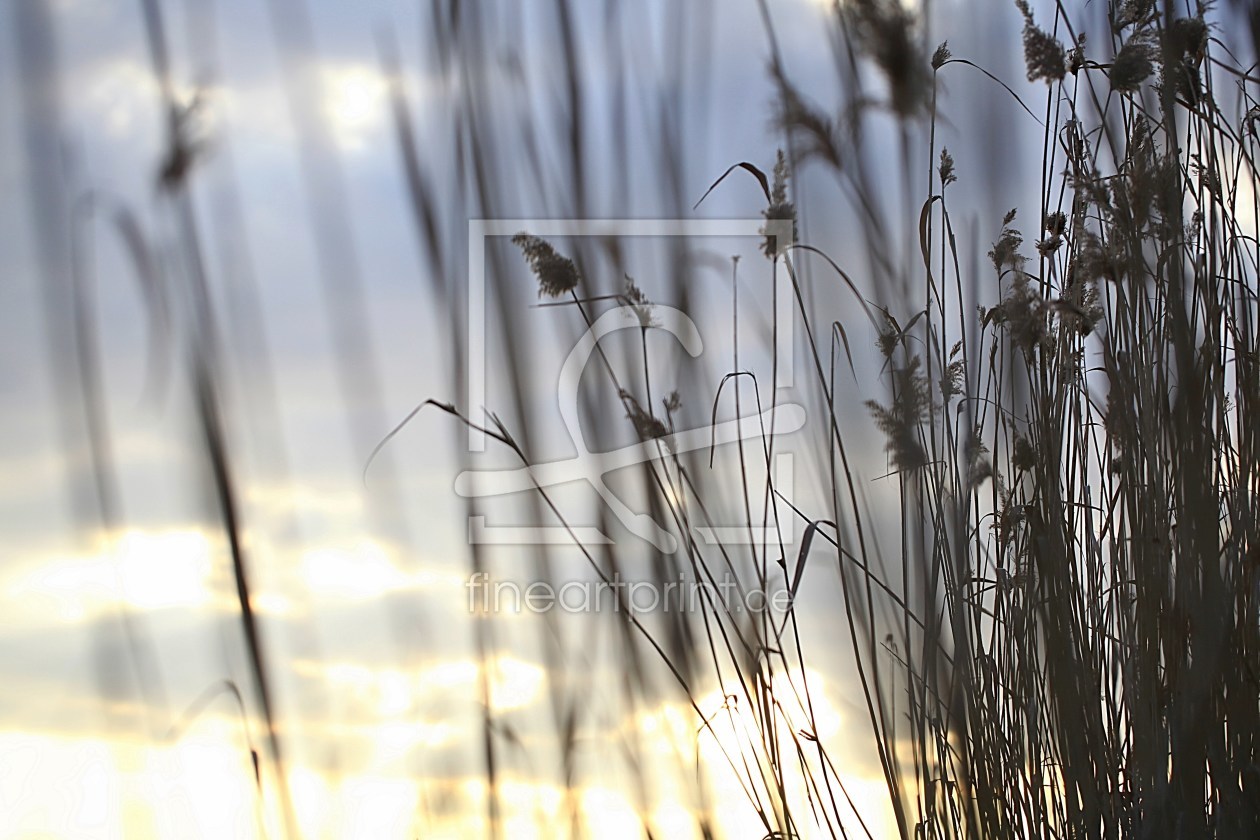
(592, 467)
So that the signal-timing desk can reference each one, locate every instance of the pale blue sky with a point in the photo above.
(361, 590)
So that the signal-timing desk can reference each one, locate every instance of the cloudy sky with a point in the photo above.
(332, 308)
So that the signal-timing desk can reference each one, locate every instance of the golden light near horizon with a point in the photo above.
(726, 746)
(166, 570)
(145, 570)
(357, 571)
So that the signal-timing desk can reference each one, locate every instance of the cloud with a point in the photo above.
(143, 570)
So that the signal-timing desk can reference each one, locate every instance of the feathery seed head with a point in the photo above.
(981, 468)
(1134, 13)
(886, 33)
(1251, 121)
(1189, 39)
(911, 406)
(889, 336)
(1023, 456)
(1044, 56)
(1076, 56)
(1132, 65)
(1055, 223)
(946, 169)
(1093, 260)
(556, 273)
(813, 131)
(780, 210)
(951, 382)
(1046, 247)
(633, 297)
(645, 424)
(1005, 252)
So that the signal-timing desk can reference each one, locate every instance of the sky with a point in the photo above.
(129, 707)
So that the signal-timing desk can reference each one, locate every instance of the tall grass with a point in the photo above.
(1074, 465)
(1063, 640)
(1050, 583)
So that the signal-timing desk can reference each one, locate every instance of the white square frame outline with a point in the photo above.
(480, 229)
(777, 231)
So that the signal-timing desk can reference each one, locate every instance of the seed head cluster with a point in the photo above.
(780, 210)
(647, 426)
(556, 273)
(1132, 65)
(1043, 54)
